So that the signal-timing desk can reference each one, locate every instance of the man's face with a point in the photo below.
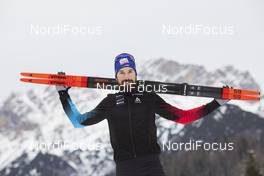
(126, 76)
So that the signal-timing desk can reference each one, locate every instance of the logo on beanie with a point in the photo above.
(123, 61)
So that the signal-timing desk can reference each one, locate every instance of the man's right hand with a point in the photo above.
(62, 88)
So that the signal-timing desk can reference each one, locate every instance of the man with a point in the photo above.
(131, 120)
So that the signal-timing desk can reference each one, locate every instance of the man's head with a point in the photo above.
(125, 69)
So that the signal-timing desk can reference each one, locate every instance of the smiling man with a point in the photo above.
(131, 120)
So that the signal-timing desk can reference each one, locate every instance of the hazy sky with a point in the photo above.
(137, 27)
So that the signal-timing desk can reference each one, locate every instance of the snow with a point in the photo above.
(41, 106)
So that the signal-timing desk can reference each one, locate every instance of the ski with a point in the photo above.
(171, 88)
(113, 82)
(71, 78)
(55, 82)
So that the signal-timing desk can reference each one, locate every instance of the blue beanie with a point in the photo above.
(124, 60)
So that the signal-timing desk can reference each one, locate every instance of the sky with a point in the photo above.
(206, 32)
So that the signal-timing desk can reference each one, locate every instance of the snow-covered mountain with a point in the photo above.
(33, 120)
(170, 71)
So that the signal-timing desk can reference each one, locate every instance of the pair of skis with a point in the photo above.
(160, 87)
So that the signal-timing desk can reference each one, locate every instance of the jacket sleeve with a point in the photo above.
(175, 114)
(80, 120)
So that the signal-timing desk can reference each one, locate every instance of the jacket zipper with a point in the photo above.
(130, 125)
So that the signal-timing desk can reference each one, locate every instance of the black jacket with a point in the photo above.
(131, 120)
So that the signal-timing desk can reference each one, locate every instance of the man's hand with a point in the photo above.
(62, 88)
(221, 101)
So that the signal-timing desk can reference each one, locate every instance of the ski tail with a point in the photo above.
(240, 97)
(70, 78)
(54, 76)
(240, 91)
(240, 94)
(55, 82)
